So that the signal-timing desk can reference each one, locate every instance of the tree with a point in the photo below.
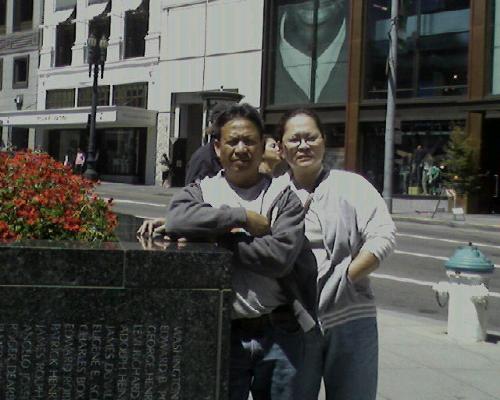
(462, 172)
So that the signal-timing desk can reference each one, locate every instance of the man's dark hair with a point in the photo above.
(235, 111)
(280, 129)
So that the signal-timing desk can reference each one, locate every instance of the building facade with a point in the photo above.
(169, 61)
(19, 41)
(128, 103)
(331, 56)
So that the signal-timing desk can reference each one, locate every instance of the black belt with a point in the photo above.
(280, 316)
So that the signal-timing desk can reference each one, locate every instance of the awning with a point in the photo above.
(107, 116)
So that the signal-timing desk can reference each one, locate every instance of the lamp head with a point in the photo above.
(91, 41)
(103, 43)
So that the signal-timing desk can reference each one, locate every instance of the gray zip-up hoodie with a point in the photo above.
(198, 210)
(353, 217)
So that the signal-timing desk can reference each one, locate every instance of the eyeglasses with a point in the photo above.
(296, 141)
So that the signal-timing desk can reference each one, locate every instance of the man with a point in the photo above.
(261, 221)
(204, 162)
(298, 30)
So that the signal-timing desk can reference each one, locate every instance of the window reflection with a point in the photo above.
(310, 52)
(418, 152)
(495, 70)
(433, 42)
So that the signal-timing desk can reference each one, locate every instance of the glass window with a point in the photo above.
(85, 96)
(495, 56)
(418, 151)
(132, 95)
(136, 29)
(60, 98)
(433, 44)
(65, 4)
(309, 52)
(21, 72)
(19, 138)
(97, 1)
(3, 15)
(119, 151)
(1, 73)
(65, 39)
(23, 15)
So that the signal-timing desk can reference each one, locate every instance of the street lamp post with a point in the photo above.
(96, 57)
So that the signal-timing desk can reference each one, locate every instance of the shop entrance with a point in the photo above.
(491, 162)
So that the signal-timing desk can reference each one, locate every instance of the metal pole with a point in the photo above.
(391, 106)
(91, 172)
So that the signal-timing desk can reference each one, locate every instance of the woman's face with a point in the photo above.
(272, 150)
(303, 144)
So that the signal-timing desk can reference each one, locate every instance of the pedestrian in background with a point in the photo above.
(351, 231)
(204, 161)
(79, 161)
(272, 162)
(165, 170)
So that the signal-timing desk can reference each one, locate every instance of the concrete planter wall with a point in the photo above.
(113, 321)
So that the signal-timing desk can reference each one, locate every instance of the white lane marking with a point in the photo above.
(416, 282)
(441, 258)
(409, 253)
(462, 242)
(405, 280)
(136, 202)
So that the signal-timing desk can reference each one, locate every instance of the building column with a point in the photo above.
(354, 88)
(153, 37)
(478, 56)
(117, 31)
(9, 16)
(81, 35)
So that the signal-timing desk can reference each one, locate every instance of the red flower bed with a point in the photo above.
(42, 199)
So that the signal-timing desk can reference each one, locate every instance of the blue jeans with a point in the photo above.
(346, 357)
(265, 364)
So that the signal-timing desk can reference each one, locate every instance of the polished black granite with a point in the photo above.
(119, 320)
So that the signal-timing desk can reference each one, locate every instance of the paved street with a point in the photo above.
(404, 281)
(418, 361)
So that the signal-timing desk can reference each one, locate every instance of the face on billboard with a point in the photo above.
(328, 12)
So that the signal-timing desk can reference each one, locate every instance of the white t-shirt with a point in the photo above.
(255, 294)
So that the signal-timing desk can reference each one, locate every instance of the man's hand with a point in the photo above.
(257, 225)
(152, 227)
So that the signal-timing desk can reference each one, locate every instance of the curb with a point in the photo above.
(453, 224)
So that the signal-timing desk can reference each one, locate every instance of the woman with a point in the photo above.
(272, 163)
(350, 231)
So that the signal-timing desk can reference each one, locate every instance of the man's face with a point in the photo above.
(240, 150)
(327, 12)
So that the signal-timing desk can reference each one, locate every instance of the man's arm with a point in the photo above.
(274, 254)
(188, 215)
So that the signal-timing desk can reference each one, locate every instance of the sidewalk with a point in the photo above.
(490, 222)
(419, 362)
